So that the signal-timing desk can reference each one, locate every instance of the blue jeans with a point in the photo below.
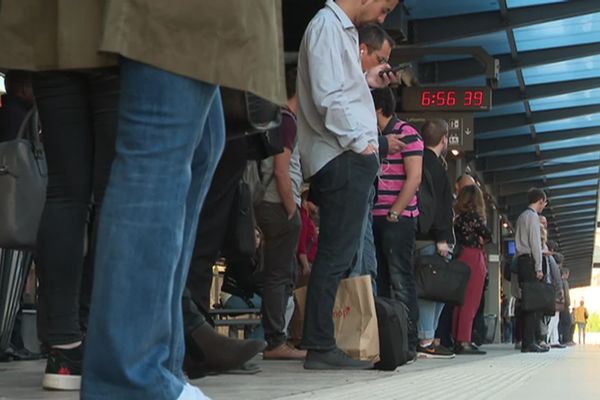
(366, 258)
(341, 190)
(429, 311)
(235, 302)
(170, 137)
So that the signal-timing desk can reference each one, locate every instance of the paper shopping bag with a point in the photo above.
(354, 318)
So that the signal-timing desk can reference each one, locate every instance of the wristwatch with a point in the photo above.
(393, 215)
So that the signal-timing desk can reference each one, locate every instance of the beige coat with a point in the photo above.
(233, 43)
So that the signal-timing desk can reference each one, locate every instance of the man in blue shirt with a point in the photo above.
(338, 143)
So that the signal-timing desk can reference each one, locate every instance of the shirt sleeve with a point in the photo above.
(288, 128)
(535, 240)
(414, 144)
(328, 82)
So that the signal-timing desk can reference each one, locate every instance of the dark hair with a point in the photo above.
(534, 195)
(373, 36)
(433, 131)
(565, 271)
(552, 245)
(559, 258)
(291, 76)
(15, 80)
(470, 199)
(384, 100)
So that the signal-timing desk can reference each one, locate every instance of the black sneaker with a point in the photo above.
(468, 350)
(432, 351)
(333, 359)
(63, 369)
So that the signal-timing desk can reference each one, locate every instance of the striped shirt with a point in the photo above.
(392, 174)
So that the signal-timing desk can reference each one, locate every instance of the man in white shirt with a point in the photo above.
(338, 139)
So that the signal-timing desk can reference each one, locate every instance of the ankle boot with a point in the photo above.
(211, 352)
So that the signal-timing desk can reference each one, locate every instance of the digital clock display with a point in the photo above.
(446, 99)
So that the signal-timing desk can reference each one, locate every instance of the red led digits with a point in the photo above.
(478, 95)
(426, 99)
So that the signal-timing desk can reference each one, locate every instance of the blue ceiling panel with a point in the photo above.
(526, 3)
(573, 159)
(575, 184)
(575, 99)
(574, 195)
(569, 123)
(506, 109)
(577, 172)
(565, 144)
(580, 68)
(560, 33)
(419, 9)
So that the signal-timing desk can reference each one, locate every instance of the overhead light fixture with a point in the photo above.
(505, 225)
(455, 152)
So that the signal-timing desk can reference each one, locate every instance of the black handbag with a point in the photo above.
(538, 297)
(441, 280)
(246, 113)
(23, 179)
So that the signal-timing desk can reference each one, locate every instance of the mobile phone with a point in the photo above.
(395, 69)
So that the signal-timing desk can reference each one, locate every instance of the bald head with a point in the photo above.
(464, 181)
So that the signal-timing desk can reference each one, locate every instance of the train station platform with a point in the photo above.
(572, 373)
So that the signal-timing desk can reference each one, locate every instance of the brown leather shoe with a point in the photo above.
(284, 352)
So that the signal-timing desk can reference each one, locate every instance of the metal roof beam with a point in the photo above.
(519, 205)
(569, 210)
(500, 177)
(550, 193)
(502, 122)
(440, 29)
(513, 188)
(512, 142)
(493, 163)
(445, 71)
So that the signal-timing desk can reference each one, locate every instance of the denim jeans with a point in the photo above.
(78, 111)
(395, 245)
(429, 311)
(169, 140)
(235, 302)
(366, 258)
(341, 190)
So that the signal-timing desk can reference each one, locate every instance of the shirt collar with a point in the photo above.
(389, 128)
(340, 14)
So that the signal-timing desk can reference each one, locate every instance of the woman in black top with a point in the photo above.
(471, 234)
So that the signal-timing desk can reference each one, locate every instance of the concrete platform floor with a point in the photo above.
(504, 373)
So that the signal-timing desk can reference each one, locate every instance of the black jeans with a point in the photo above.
(341, 190)
(281, 241)
(213, 235)
(395, 248)
(531, 319)
(78, 112)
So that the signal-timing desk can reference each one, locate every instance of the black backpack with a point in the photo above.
(426, 202)
(393, 324)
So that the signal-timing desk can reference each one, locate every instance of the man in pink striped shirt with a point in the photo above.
(396, 210)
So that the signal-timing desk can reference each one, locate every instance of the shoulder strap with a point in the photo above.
(25, 124)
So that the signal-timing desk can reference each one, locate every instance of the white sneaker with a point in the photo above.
(192, 393)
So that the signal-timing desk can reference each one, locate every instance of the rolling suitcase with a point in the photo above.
(393, 324)
(14, 267)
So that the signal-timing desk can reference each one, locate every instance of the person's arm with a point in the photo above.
(328, 82)
(413, 166)
(535, 240)
(283, 181)
(481, 229)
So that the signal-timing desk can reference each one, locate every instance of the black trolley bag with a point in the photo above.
(393, 324)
